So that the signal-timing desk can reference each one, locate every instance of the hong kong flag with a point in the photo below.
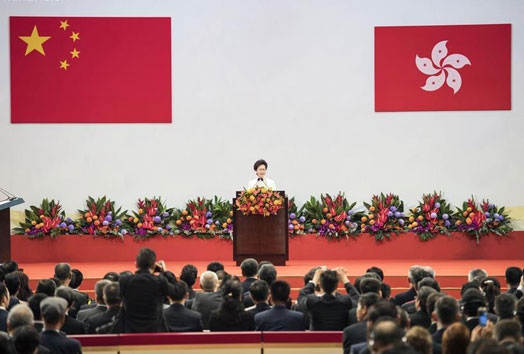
(90, 70)
(443, 68)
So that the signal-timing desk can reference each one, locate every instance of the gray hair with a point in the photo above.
(208, 280)
(477, 274)
(20, 315)
(99, 289)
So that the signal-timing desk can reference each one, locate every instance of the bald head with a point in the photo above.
(20, 315)
(386, 335)
(208, 281)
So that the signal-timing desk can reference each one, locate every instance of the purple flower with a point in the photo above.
(347, 223)
(165, 214)
(397, 214)
(63, 224)
(302, 219)
(168, 227)
(310, 230)
(393, 208)
(496, 216)
(217, 222)
(350, 212)
(487, 214)
(390, 214)
(105, 222)
(501, 217)
(69, 220)
(292, 216)
(401, 215)
(71, 227)
(401, 221)
(447, 223)
(491, 206)
(433, 215)
(124, 231)
(445, 216)
(291, 227)
(208, 215)
(119, 222)
(157, 219)
(437, 205)
(109, 218)
(160, 229)
(209, 221)
(354, 225)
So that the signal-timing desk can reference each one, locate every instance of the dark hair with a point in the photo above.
(429, 281)
(249, 267)
(469, 285)
(486, 346)
(491, 288)
(9, 267)
(329, 281)
(67, 294)
(280, 290)
(259, 290)
(112, 294)
(12, 281)
(62, 271)
(417, 274)
(215, 266)
(259, 163)
(380, 309)
(309, 275)
(505, 306)
(383, 335)
(404, 349)
(223, 277)
(422, 296)
(46, 286)
(178, 291)
(145, 259)
(170, 277)
(2, 275)
(507, 328)
(267, 273)
(513, 275)
(125, 273)
(231, 309)
(471, 301)
(369, 285)
(76, 279)
(113, 276)
(376, 270)
(403, 316)
(447, 310)
(34, 305)
(189, 274)
(520, 310)
(26, 339)
(3, 290)
(368, 300)
(431, 302)
(386, 290)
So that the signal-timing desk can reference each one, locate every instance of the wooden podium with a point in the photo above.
(5, 227)
(264, 238)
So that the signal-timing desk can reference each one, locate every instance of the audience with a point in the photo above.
(112, 299)
(508, 333)
(416, 273)
(230, 316)
(215, 267)
(259, 293)
(472, 300)
(12, 281)
(249, 267)
(53, 311)
(455, 339)
(4, 303)
(189, 275)
(506, 306)
(98, 307)
(178, 317)
(80, 298)
(210, 299)
(357, 333)
(26, 340)
(447, 313)
(513, 279)
(34, 305)
(46, 286)
(421, 317)
(420, 340)
(70, 326)
(25, 291)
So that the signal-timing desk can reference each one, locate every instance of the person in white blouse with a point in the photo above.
(260, 168)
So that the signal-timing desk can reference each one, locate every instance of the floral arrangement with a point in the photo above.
(46, 219)
(385, 216)
(431, 217)
(331, 216)
(259, 201)
(482, 219)
(101, 218)
(151, 218)
(296, 219)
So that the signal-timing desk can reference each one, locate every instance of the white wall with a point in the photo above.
(289, 81)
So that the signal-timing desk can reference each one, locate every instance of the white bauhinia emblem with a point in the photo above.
(442, 70)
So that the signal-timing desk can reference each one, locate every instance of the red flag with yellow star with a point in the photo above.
(90, 70)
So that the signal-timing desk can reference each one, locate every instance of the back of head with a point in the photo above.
(416, 274)
(76, 278)
(447, 310)
(19, 315)
(329, 281)
(386, 334)
(471, 301)
(477, 274)
(386, 291)
(455, 339)
(429, 281)
(25, 291)
(12, 281)
(381, 309)
(520, 310)
(178, 291)
(309, 275)
(231, 307)
(9, 267)
(369, 299)
(215, 266)
(259, 290)
(99, 290)
(34, 305)
(469, 285)
(486, 346)
(112, 294)
(508, 330)
(422, 296)
(208, 280)
(65, 293)
(376, 270)
(145, 259)
(62, 272)
(4, 292)
(249, 267)
(53, 309)
(506, 306)
(491, 288)
(2, 275)
(513, 275)
(369, 285)
(189, 274)
(420, 340)
(46, 286)
(267, 273)
(431, 302)
(280, 290)
(26, 339)
(112, 276)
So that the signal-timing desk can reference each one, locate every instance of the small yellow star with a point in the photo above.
(64, 64)
(74, 36)
(64, 24)
(74, 53)
(34, 42)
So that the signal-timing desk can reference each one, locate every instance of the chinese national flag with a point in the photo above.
(90, 70)
(443, 68)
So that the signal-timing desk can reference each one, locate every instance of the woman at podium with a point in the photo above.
(261, 180)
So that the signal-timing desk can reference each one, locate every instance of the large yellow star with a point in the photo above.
(34, 42)
(64, 24)
(74, 53)
(75, 36)
(64, 64)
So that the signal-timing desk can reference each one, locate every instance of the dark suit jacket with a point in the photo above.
(79, 300)
(180, 319)
(260, 307)
(516, 292)
(205, 303)
(84, 314)
(409, 306)
(143, 295)
(246, 283)
(246, 323)
(420, 318)
(72, 326)
(13, 301)
(471, 323)
(279, 318)
(58, 343)
(101, 319)
(353, 316)
(437, 337)
(354, 334)
(191, 293)
(3, 320)
(404, 297)
(88, 306)
(359, 348)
